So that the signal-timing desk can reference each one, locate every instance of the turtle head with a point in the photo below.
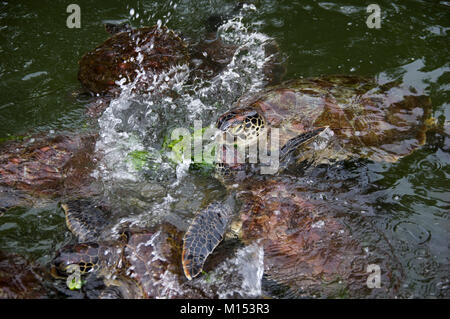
(242, 126)
(83, 257)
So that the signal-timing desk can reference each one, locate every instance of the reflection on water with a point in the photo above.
(398, 213)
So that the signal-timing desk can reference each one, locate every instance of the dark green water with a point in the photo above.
(411, 198)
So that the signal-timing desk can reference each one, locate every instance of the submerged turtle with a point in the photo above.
(132, 265)
(151, 51)
(20, 279)
(140, 263)
(362, 119)
(148, 51)
(320, 119)
(46, 165)
(310, 249)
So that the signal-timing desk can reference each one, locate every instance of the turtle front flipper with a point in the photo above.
(296, 142)
(203, 236)
(84, 219)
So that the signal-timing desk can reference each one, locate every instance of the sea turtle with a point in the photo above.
(312, 245)
(144, 263)
(50, 165)
(132, 265)
(136, 263)
(320, 119)
(149, 49)
(154, 50)
(362, 119)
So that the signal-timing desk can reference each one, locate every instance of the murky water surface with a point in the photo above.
(398, 213)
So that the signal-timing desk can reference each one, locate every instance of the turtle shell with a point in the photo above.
(308, 248)
(47, 165)
(149, 256)
(20, 279)
(132, 266)
(382, 123)
(148, 49)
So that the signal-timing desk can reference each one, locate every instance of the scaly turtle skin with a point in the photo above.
(364, 120)
(84, 219)
(360, 119)
(48, 165)
(119, 57)
(203, 236)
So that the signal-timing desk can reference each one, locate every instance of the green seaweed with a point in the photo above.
(176, 148)
(141, 159)
(75, 284)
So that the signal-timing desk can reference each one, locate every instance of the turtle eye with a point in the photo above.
(226, 120)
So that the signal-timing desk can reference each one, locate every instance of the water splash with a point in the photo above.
(141, 122)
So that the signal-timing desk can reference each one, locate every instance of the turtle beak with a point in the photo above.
(55, 273)
(300, 140)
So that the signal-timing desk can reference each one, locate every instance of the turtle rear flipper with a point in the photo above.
(203, 236)
(84, 219)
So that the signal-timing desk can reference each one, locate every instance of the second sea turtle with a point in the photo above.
(322, 120)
